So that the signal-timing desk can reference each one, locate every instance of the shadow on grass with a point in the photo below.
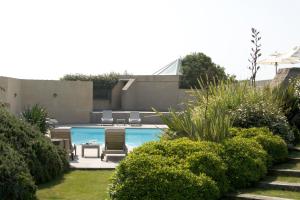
(58, 180)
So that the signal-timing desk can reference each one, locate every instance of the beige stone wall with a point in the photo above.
(146, 92)
(10, 94)
(67, 101)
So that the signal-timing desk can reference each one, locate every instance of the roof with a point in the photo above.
(174, 68)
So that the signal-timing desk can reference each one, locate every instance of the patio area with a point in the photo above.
(90, 159)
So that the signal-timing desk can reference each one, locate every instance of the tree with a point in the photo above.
(255, 54)
(198, 66)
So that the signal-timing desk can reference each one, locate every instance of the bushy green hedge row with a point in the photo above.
(33, 153)
(15, 179)
(186, 169)
(272, 144)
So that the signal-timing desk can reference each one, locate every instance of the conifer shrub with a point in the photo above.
(15, 179)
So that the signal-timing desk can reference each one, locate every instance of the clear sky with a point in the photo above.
(47, 39)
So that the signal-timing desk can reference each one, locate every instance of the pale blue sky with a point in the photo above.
(47, 39)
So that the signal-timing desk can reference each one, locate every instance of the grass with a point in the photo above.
(289, 179)
(290, 165)
(274, 193)
(77, 185)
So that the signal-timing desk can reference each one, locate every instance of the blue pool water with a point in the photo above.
(134, 136)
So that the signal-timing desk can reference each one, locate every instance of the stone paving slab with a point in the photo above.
(90, 161)
(254, 197)
(280, 185)
(285, 172)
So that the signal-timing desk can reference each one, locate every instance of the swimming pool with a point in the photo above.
(134, 136)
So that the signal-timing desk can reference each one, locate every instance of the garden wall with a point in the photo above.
(67, 101)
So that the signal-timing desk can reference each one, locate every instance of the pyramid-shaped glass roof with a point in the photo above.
(174, 68)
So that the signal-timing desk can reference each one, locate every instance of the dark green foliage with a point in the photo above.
(289, 97)
(246, 161)
(41, 156)
(262, 112)
(198, 66)
(143, 176)
(15, 179)
(36, 116)
(274, 145)
(105, 81)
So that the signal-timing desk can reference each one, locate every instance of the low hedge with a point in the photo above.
(15, 179)
(45, 161)
(274, 145)
(210, 164)
(246, 161)
(143, 176)
(186, 169)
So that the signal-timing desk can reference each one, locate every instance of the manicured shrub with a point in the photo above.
(142, 176)
(272, 144)
(180, 148)
(42, 157)
(210, 164)
(246, 161)
(15, 179)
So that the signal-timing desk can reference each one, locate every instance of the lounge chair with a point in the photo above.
(134, 118)
(64, 135)
(107, 117)
(114, 143)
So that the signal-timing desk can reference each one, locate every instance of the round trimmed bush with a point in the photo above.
(210, 164)
(246, 161)
(153, 177)
(45, 161)
(274, 145)
(180, 148)
(15, 179)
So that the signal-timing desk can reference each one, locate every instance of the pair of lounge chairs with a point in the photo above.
(107, 118)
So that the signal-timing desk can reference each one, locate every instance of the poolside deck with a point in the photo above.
(90, 161)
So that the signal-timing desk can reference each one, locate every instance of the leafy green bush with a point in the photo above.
(262, 113)
(179, 148)
(272, 144)
(105, 81)
(143, 176)
(210, 164)
(36, 116)
(42, 157)
(15, 179)
(246, 161)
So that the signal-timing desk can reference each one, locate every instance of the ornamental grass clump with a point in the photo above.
(218, 107)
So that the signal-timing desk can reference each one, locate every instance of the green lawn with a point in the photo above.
(274, 193)
(77, 185)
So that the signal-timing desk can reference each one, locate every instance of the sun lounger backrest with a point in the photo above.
(115, 139)
(62, 134)
(107, 114)
(134, 115)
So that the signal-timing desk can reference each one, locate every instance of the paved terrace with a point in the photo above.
(90, 161)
